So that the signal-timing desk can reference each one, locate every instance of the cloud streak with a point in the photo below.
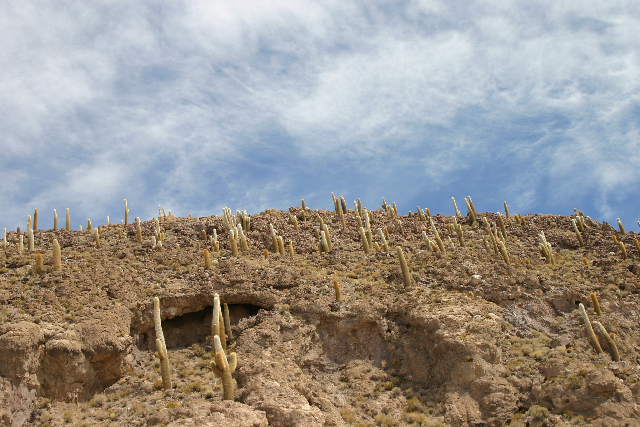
(257, 104)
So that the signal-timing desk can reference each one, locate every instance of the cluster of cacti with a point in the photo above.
(215, 244)
(293, 220)
(158, 237)
(438, 239)
(545, 249)
(325, 240)
(341, 209)
(245, 220)
(278, 242)
(587, 324)
(606, 336)
(457, 228)
(228, 220)
(472, 210)
(224, 365)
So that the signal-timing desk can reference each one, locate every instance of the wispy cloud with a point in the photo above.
(256, 104)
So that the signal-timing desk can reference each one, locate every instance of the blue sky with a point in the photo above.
(257, 104)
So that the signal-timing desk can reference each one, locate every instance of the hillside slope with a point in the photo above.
(467, 340)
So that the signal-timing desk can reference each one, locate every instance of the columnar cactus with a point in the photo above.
(138, 230)
(126, 213)
(596, 304)
(227, 321)
(502, 227)
(385, 245)
(39, 263)
(336, 288)
(545, 249)
(31, 243)
(293, 220)
(613, 348)
(328, 237)
(503, 251)
(455, 207)
(577, 231)
(161, 346)
(623, 249)
(223, 367)
(68, 222)
(55, 220)
(471, 212)
(217, 322)
(403, 266)
(587, 324)
(281, 245)
(438, 239)
(458, 230)
(274, 239)
(234, 244)
(207, 259)
(244, 246)
(324, 245)
(365, 242)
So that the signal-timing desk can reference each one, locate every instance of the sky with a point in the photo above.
(201, 105)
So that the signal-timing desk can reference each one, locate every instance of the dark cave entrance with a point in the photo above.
(191, 328)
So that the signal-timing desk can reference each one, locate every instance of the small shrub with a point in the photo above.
(347, 416)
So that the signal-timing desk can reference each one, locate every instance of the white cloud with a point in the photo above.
(142, 97)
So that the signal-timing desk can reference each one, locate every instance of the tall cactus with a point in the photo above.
(217, 322)
(223, 367)
(403, 266)
(587, 324)
(161, 346)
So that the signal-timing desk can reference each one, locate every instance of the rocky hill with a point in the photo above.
(482, 329)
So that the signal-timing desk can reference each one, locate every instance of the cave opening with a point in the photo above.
(191, 328)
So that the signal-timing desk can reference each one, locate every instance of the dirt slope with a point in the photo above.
(472, 341)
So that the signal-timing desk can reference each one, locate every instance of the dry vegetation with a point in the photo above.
(470, 337)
